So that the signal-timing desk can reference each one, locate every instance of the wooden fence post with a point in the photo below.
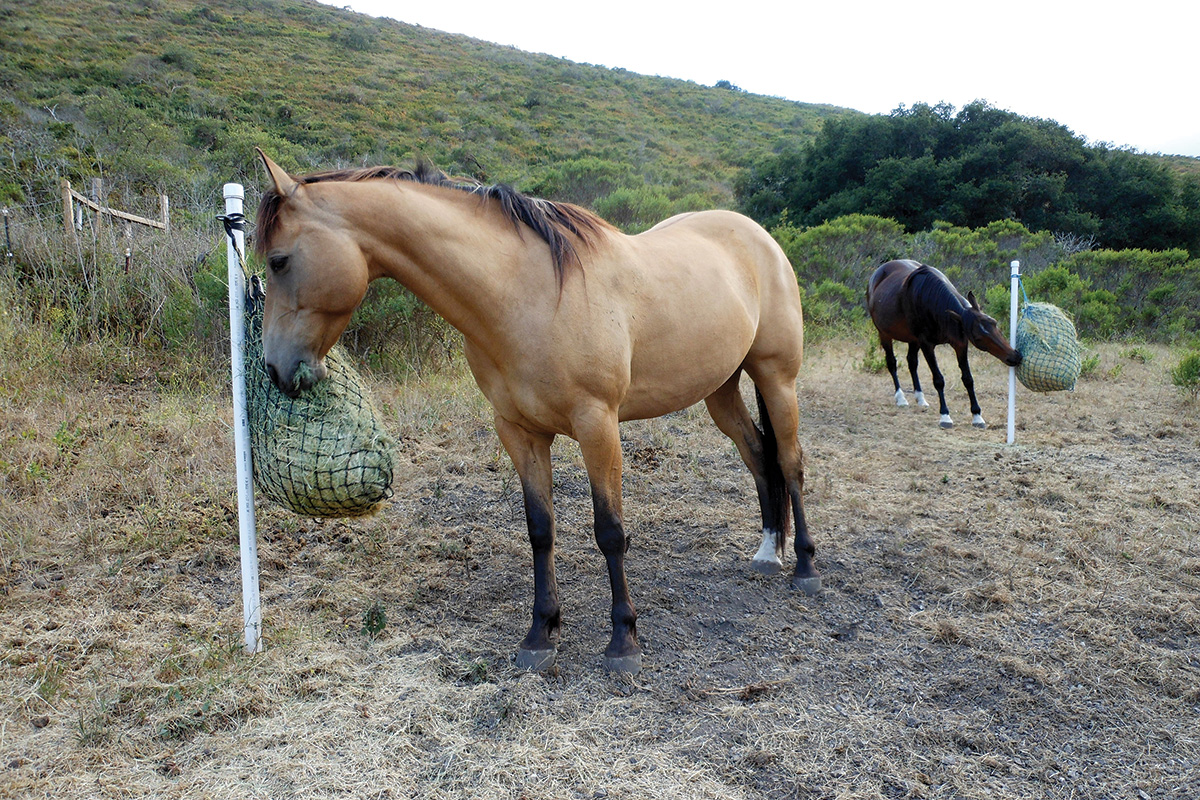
(68, 212)
(96, 196)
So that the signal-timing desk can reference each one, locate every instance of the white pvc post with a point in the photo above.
(251, 606)
(1012, 337)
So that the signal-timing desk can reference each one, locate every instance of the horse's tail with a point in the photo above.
(777, 495)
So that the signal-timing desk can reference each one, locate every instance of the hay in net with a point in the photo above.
(1049, 347)
(323, 454)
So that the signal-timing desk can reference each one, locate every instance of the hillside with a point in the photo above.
(162, 92)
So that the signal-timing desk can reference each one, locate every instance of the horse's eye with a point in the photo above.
(277, 263)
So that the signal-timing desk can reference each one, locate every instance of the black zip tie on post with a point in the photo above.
(236, 222)
(233, 222)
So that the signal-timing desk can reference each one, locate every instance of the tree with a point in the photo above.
(926, 164)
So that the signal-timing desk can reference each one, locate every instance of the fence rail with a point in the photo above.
(70, 196)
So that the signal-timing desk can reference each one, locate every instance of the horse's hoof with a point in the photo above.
(536, 660)
(626, 665)
(766, 566)
(901, 403)
(946, 422)
(981, 425)
(808, 586)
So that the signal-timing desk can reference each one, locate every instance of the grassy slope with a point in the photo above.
(202, 82)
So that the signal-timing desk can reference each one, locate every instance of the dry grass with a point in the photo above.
(997, 622)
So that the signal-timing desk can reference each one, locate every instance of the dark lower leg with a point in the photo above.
(968, 381)
(729, 411)
(610, 537)
(805, 549)
(939, 382)
(543, 633)
(889, 356)
(530, 454)
(912, 367)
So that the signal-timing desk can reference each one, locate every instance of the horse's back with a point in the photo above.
(894, 272)
(730, 242)
(884, 290)
(705, 291)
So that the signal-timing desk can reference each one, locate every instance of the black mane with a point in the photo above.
(557, 224)
(932, 290)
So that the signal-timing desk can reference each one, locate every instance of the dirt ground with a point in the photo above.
(996, 621)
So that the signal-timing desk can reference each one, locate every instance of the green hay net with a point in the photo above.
(1046, 339)
(323, 454)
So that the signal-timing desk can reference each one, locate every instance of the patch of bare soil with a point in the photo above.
(996, 621)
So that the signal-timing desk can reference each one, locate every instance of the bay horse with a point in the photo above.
(915, 303)
(570, 327)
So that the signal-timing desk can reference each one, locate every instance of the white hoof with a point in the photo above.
(767, 560)
(767, 566)
(900, 401)
(946, 422)
(920, 398)
(978, 422)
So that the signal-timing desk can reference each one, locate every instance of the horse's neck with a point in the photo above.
(933, 298)
(454, 251)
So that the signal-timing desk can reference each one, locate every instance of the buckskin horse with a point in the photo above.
(570, 327)
(915, 303)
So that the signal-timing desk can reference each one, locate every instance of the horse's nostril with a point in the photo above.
(273, 374)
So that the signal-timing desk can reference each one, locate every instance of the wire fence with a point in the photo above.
(87, 272)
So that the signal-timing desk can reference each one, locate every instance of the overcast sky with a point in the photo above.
(1121, 73)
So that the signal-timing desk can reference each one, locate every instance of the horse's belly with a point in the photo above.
(680, 368)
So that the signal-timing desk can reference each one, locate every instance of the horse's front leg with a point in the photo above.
(939, 383)
(600, 442)
(969, 384)
(530, 454)
(918, 395)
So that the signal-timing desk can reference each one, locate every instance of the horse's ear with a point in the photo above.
(285, 184)
(954, 315)
(971, 300)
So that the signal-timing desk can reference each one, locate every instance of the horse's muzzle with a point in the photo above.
(1014, 359)
(287, 389)
(302, 378)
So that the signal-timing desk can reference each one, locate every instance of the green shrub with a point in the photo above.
(1186, 374)
(634, 210)
(873, 361)
(1139, 354)
(1087, 367)
(830, 301)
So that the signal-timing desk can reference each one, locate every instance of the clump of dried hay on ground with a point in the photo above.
(997, 622)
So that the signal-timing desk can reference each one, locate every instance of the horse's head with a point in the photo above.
(983, 331)
(317, 276)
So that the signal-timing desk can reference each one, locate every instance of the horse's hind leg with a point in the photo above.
(530, 453)
(777, 388)
(889, 356)
(729, 411)
(918, 395)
